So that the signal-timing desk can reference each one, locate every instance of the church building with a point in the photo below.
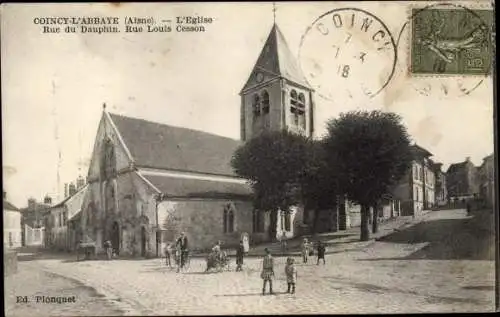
(148, 182)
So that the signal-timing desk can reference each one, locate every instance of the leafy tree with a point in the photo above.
(319, 188)
(368, 152)
(274, 164)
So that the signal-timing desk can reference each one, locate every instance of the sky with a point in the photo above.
(54, 85)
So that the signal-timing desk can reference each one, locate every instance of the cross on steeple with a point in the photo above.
(274, 12)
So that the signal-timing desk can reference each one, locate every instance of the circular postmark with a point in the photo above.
(348, 51)
(448, 49)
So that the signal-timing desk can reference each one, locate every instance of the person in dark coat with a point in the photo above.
(182, 241)
(109, 249)
(240, 251)
(321, 252)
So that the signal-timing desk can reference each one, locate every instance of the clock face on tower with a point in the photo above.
(260, 77)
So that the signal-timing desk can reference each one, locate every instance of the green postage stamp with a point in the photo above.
(451, 41)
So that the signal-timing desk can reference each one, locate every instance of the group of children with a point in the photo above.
(267, 274)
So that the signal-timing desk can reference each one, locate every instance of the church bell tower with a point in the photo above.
(276, 95)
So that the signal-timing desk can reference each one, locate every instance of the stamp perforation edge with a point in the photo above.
(410, 8)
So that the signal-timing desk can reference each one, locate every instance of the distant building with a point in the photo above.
(487, 180)
(12, 232)
(462, 180)
(32, 222)
(416, 190)
(441, 192)
(61, 234)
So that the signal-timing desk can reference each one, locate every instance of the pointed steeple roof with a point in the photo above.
(276, 60)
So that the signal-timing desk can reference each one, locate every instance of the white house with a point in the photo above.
(11, 224)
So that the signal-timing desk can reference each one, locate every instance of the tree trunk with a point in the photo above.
(315, 222)
(273, 225)
(375, 219)
(365, 215)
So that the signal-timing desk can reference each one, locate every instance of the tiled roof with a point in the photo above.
(196, 188)
(9, 206)
(456, 167)
(161, 146)
(420, 151)
(276, 58)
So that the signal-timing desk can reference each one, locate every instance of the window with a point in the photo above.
(65, 218)
(265, 109)
(228, 218)
(11, 240)
(297, 109)
(256, 105)
(265, 102)
(415, 172)
(302, 111)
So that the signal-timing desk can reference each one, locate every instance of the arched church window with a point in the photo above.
(225, 220)
(108, 159)
(301, 107)
(229, 218)
(297, 109)
(265, 102)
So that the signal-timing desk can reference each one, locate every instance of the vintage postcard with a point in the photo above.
(249, 158)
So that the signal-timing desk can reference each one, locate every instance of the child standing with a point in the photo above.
(321, 252)
(305, 250)
(168, 254)
(267, 272)
(291, 275)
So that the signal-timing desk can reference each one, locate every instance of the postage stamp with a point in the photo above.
(453, 40)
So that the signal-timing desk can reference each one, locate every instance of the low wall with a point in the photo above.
(10, 262)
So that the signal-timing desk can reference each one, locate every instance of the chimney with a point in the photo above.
(65, 190)
(71, 189)
(47, 200)
(31, 203)
(467, 159)
(80, 182)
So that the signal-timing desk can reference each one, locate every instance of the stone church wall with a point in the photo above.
(203, 221)
(133, 212)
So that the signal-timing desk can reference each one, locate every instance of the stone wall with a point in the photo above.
(10, 262)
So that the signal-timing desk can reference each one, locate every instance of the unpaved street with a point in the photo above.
(419, 269)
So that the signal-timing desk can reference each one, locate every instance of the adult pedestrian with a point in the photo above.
(240, 251)
(109, 249)
(305, 250)
(267, 273)
(283, 242)
(182, 241)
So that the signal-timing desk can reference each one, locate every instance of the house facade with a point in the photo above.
(12, 233)
(416, 190)
(487, 180)
(33, 222)
(441, 192)
(462, 181)
(59, 233)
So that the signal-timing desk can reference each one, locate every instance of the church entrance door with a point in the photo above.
(115, 237)
(143, 241)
